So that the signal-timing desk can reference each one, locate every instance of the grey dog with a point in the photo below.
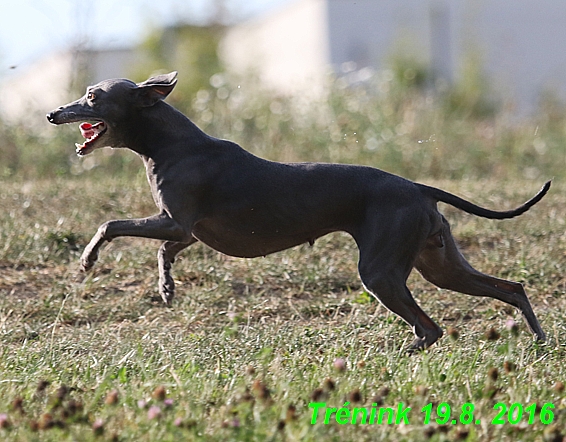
(213, 191)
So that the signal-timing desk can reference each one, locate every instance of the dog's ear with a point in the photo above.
(155, 89)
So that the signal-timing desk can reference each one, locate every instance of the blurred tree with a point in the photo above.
(10, 156)
(190, 49)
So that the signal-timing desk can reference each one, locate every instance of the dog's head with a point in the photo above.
(107, 106)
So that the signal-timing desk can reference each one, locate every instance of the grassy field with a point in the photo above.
(249, 344)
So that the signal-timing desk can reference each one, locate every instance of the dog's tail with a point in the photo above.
(466, 206)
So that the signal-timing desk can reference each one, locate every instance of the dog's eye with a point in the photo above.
(91, 96)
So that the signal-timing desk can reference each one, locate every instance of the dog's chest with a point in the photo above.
(233, 240)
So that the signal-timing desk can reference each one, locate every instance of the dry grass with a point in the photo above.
(247, 339)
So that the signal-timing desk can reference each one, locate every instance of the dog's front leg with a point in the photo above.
(160, 227)
(166, 257)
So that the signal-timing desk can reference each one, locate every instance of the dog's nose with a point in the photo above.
(52, 116)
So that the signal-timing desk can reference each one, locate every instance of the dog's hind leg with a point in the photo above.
(441, 263)
(384, 268)
(395, 296)
(166, 257)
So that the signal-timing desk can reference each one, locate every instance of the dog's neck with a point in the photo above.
(159, 129)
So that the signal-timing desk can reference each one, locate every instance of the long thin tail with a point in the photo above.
(466, 206)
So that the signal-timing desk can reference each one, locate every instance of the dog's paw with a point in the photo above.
(87, 261)
(167, 297)
(167, 292)
(166, 284)
(418, 345)
(86, 267)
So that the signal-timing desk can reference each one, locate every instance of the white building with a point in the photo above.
(519, 44)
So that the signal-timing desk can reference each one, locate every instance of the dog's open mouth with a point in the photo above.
(91, 132)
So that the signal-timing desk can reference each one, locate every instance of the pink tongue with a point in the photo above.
(86, 130)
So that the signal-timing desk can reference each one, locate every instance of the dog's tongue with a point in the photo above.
(87, 130)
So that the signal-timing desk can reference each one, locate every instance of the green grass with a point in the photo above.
(249, 344)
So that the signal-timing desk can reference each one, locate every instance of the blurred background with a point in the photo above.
(424, 88)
